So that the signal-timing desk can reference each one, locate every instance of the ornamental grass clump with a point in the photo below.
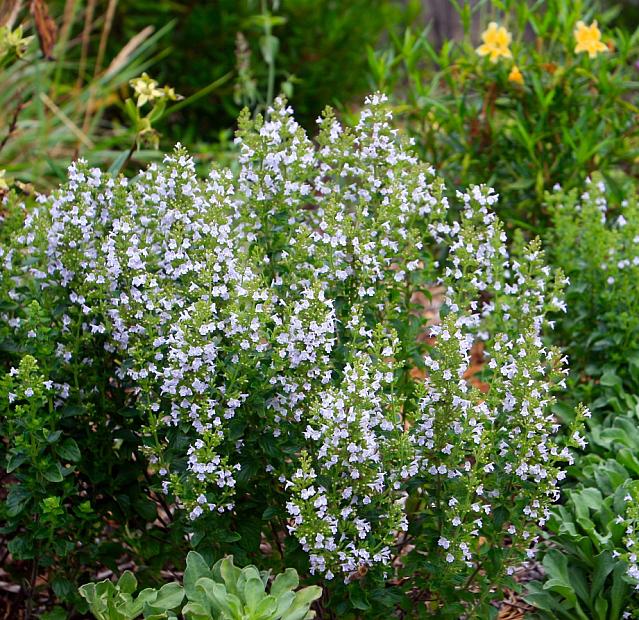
(268, 334)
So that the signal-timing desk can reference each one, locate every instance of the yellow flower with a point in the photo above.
(589, 39)
(496, 41)
(12, 41)
(515, 75)
(146, 89)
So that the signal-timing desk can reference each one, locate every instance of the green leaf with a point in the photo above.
(196, 568)
(610, 379)
(157, 111)
(196, 611)
(284, 602)
(57, 613)
(284, 582)
(118, 162)
(302, 602)
(228, 536)
(146, 508)
(253, 593)
(556, 565)
(53, 473)
(15, 460)
(170, 596)
(132, 110)
(604, 565)
(18, 497)
(358, 598)
(601, 608)
(267, 609)
(269, 513)
(69, 450)
(620, 593)
(54, 436)
(230, 574)
(215, 593)
(62, 587)
(127, 582)
(88, 592)
(145, 600)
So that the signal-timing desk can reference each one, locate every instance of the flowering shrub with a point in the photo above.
(264, 333)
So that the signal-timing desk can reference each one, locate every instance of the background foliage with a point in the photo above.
(558, 141)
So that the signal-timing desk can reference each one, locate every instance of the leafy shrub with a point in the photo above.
(594, 240)
(524, 116)
(222, 592)
(43, 499)
(590, 568)
(596, 243)
(259, 337)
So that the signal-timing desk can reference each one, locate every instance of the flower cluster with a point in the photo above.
(345, 507)
(486, 447)
(209, 288)
(596, 241)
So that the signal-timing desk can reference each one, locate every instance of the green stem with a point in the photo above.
(271, 62)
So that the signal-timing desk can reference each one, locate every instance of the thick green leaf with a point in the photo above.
(88, 592)
(284, 602)
(196, 611)
(302, 602)
(169, 596)
(288, 580)
(216, 595)
(127, 582)
(266, 609)
(196, 568)
(230, 574)
(253, 593)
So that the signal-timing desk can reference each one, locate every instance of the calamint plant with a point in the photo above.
(595, 239)
(270, 336)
